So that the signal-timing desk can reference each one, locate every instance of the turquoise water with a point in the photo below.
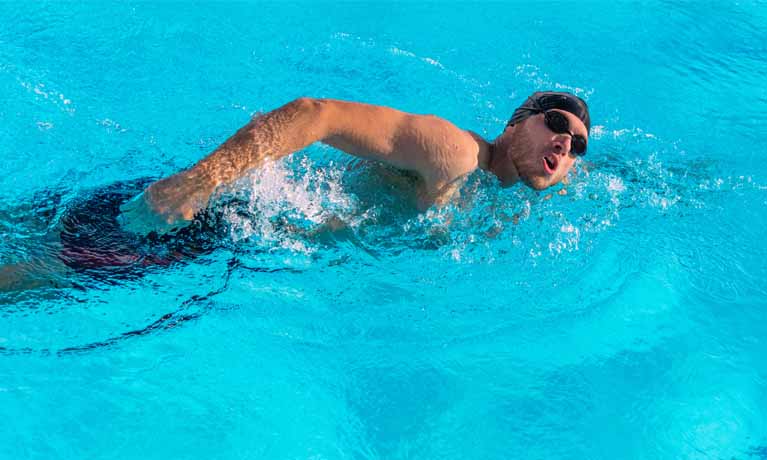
(623, 319)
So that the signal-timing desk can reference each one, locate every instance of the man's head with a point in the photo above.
(543, 139)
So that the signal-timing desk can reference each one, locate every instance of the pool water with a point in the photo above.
(619, 316)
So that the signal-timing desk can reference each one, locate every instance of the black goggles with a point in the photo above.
(558, 122)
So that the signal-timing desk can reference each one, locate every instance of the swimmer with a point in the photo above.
(538, 147)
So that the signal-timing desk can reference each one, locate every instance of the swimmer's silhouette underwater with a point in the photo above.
(118, 229)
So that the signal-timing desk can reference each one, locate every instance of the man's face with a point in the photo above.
(542, 157)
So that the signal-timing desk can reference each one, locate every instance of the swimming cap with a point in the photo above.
(540, 101)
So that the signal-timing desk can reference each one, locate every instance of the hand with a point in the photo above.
(167, 205)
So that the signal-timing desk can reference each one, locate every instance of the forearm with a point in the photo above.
(267, 137)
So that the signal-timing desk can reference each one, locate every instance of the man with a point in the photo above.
(538, 147)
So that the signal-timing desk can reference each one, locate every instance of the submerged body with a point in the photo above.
(87, 238)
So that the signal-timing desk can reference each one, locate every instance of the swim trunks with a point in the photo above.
(93, 240)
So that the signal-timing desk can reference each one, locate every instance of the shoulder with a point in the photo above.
(444, 140)
(453, 156)
(455, 151)
(439, 128)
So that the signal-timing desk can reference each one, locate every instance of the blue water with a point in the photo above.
(624, 319)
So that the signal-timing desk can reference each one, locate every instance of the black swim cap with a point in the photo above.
(540, 101)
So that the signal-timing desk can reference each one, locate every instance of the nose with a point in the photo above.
(562, 145)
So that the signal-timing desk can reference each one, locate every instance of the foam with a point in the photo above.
(276, 204)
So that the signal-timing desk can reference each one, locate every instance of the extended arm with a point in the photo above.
(424, 144)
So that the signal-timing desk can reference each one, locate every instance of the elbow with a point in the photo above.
(315, 112)
(308, 105)
(302, 102)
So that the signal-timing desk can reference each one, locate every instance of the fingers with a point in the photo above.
(142, 220)
(151, 211)
(137, 217)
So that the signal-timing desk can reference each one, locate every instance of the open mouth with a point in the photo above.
(550, 164)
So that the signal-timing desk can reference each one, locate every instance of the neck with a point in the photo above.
(499, 161)
(486, 156)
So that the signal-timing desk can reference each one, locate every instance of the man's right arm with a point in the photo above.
(363, 130)
(413, 142)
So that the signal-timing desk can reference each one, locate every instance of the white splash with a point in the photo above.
(433, 62)
(540, 79)
(112, 125)
(597, 131)
(56, 98)
(399, 52)
(283, 204)
(615, 184)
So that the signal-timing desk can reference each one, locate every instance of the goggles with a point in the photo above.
(558, 123)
